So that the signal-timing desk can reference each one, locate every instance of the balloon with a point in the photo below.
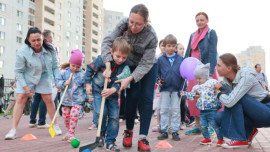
(187, 68)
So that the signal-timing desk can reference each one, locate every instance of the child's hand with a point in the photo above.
(108, 75)
(67, 83)
(182, 93)
(160, 81)
(90, 99)
(107, 92)
(197, 96)
(217, 86)
(156, 85)
(88, 89)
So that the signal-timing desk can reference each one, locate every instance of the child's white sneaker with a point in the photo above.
(11, 134)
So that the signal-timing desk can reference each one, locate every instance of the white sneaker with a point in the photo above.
(57, 129)
(120, 120)
(136, 121)
(93, 126)
(46, 126)
(11, 134)
(32, 125)
(183, 126)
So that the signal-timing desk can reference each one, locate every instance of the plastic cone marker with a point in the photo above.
(163, 144)
(29, 137)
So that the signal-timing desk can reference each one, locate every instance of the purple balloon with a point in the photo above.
(187, 68)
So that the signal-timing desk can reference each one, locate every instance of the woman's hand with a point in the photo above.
(107, 92)
(124, 82)
(67, 83)
(28, 91)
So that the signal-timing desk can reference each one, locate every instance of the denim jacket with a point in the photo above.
(28, 67)
(208, 99)
(143, 51)
(208, 49)
(75, 94)
(94, 75)
(170, 74)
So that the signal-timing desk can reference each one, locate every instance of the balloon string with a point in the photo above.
(183, 89)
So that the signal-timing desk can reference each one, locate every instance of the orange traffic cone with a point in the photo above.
(29, 137)
(163, 144)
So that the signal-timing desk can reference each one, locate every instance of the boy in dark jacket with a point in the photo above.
(171, 83)
(94, 75)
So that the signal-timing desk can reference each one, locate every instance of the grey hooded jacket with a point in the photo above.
(143, 50)
(245, 82)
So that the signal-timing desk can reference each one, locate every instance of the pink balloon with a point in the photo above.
(187, 68)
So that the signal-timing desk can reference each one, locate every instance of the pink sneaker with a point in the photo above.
(71, 137)
(66, 137)
(93, 126)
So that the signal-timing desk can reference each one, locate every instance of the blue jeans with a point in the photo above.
(141, 94)
(38, 103)
(110, 121)
(238, 121)
(167, 100)
(208, 117)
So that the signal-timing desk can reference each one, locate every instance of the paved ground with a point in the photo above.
(45, 144)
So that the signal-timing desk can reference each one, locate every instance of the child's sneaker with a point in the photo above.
(143, 145)
(162, 136)
(31, 125)
(71, 137)
(206, 141)
(57, 129)
(193, 131)
(93, 126)
(112, 147)
(253, 134)
(66, 137)
(156, 128)
(101, 142)
(235, 144)
(175, 136)
(220, 142)
(183, 125)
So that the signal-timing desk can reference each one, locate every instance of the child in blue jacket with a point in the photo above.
(75, 95)
(171, 83)
(94, 75)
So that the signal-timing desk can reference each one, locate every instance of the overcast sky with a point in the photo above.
(238, 23)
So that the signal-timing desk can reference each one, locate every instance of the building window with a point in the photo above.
(95, 6)
(95, 50)
(59, 16)
(69, 4)
(20, 14)
(77, 37)
(58, 38)
(95, 41)
(95, 24)
(2, 35)
(20, 2)
(117, 17)
(68, 44)
(2, 21)
(49, 10)
(2, 7)
(1, 64)
(2, 49)
(59, 27)
(69, 14)
(78, 19)
(53, 1)
(110, 17)
(78, 10)
(95, 32)
(68, 24)
(32, 1)
(59, 5)
(95, 15)
(18, 39)
(31, 11)
(19, 27)
(67, 34)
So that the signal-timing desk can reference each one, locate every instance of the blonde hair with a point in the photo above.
(122, 44)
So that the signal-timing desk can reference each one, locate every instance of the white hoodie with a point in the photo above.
(245, 82)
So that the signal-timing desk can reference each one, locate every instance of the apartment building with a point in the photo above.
(14, 16)
(252, 56)
(111, 19)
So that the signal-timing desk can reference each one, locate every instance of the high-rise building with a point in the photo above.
(252, 56)
(14, 16)
(74, 25)
(111, 19)
(92, 29)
